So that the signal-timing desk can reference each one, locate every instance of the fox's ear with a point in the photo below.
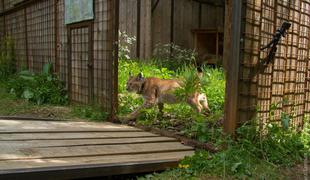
(140, 76)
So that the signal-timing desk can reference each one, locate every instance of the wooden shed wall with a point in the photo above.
(192, 15)
(128, 20)
(172, 21)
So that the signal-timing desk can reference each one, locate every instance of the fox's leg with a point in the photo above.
(203, 101)
(160, 108)
(134, 115)
(193, 101)
(199, 101)
(149, 102)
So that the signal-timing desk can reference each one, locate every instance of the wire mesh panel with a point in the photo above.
(80, 65)
(1, 6)
(15, 29)
(8, 4)
(40, 34)
(83, 53)
(62, 44)
(279, 89)
(103, 51)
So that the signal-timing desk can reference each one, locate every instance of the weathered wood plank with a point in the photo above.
(84, 135)
(71, 130)
(27, 125)
(11, 153)
(36, 163)
(64, 150)
(82, 142)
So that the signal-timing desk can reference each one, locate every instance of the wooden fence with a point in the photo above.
(84, 54)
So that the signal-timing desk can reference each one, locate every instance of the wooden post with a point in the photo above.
(145, 38)
(232, 40)
(138, 28)
(115, 59)
(148, 29)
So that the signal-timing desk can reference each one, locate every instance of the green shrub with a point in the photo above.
(279, 145)
(43, 88)
(172, 56)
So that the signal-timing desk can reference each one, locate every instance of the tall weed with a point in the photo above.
(7, 58)
(172, 56)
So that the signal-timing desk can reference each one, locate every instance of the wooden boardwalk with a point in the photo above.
(32, 149)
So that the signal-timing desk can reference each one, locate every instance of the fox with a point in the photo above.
(156, 91)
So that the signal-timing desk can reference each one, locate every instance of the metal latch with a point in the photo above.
(274, 42)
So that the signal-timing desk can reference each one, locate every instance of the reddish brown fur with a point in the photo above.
(159, 91)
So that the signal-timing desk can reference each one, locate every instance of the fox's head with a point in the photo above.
(135, 83)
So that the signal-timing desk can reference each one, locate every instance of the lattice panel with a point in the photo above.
(282, 87)
(41, 34)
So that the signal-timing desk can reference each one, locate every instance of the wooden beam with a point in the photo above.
(148, 29)
(232, 40)
(86, 171)
(115, 28)
(138, 28)
(211, 2)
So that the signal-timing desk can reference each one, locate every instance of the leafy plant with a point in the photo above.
(43, 88)
(190, 82)
(7, 58)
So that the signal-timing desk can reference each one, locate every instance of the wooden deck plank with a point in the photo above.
(82, 142)
(54, 162)
(62, 150)
(51, 136)
(11, 153)
(26, 126)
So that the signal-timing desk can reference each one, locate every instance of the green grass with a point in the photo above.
(277, 155)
